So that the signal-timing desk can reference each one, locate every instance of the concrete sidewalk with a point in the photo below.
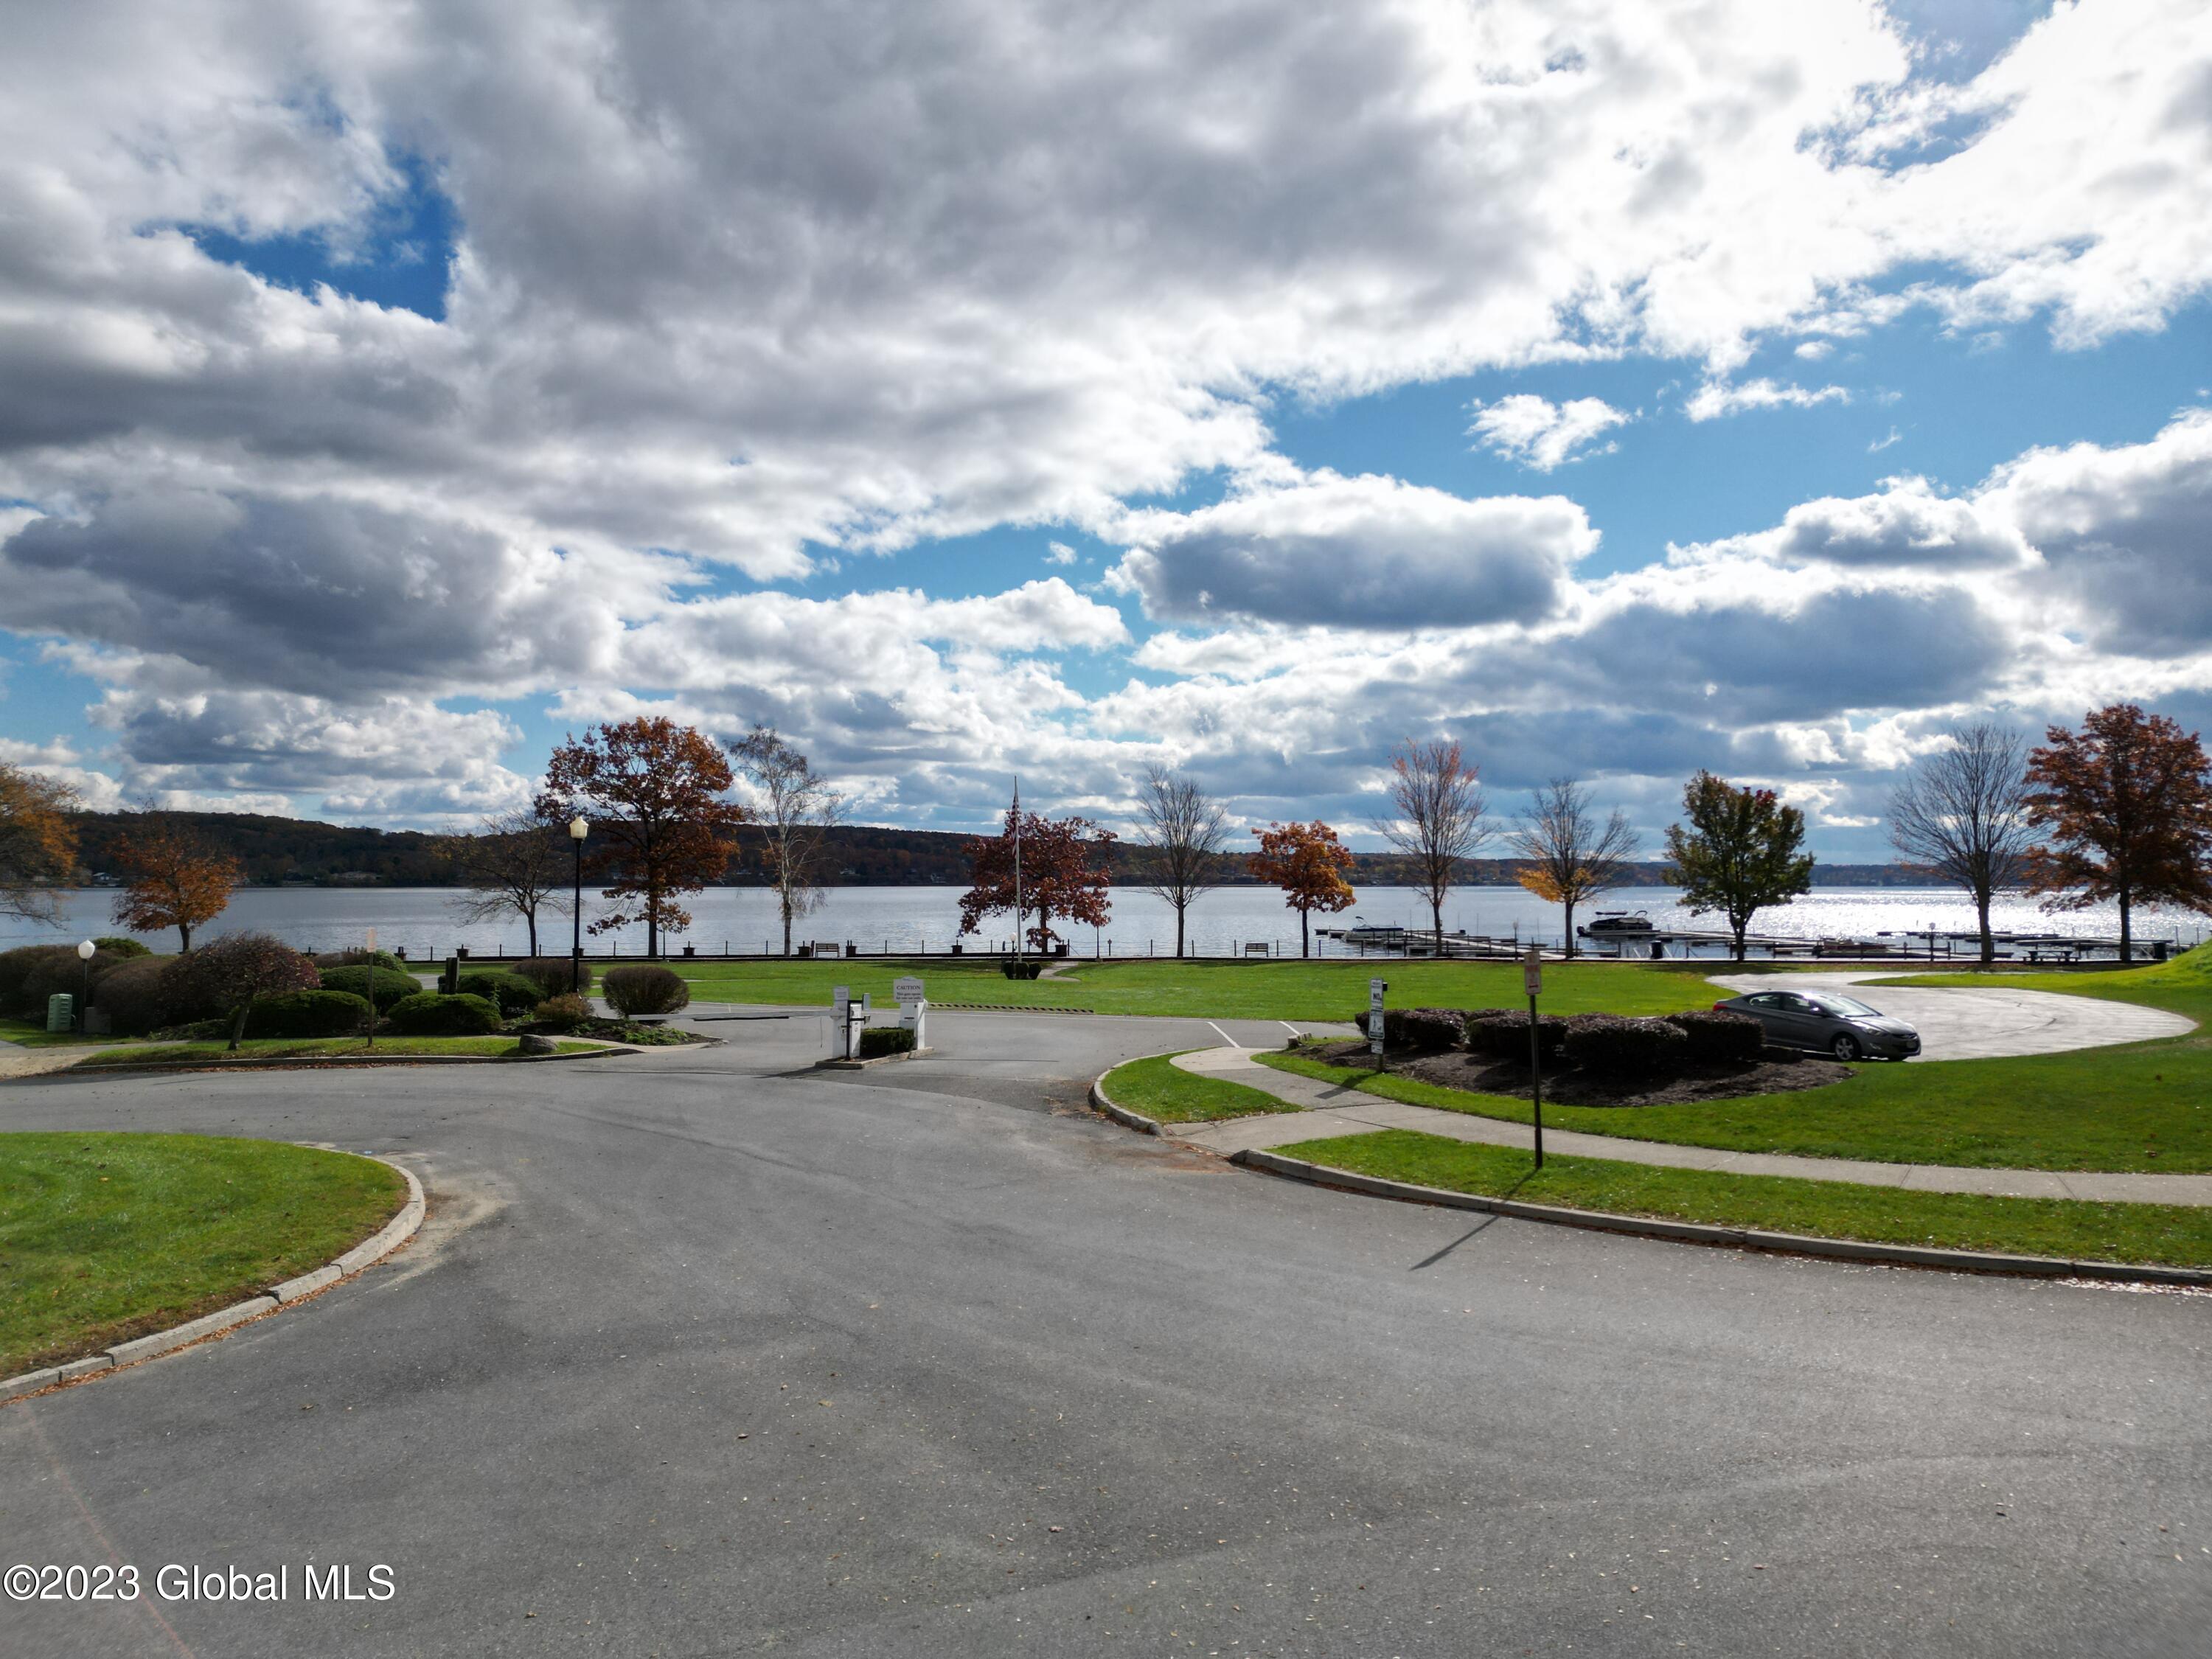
(1332, 1108)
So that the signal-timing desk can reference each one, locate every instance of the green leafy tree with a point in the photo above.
(1739, 852)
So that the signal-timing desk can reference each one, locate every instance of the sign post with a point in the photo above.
(1532, 981)
(841, 1022)
(1375, 987)
(912, 1007)
(372, 990)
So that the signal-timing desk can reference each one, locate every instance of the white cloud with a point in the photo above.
(1715, 398)
(1539, 433)
(1363, 552)
(1059, 553)
(1813, 350)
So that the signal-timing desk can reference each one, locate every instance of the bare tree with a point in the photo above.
(1437, 820)
(1183, 832)
(799, 809)
(516, 864)
(1963, 813)
(1573, 857)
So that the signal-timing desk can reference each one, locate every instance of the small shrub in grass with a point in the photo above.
(510, 993)
(880, 1040)
(1418, 1028)
(132, 999)
(643, 988)
(1718, 1036)
(566, 1011)
(1625, 1048)
(428, 1014)
(124, 949)
(553, 974)
(308, 1014)
(383, 985)
(1503, 1033)
(1023, 969)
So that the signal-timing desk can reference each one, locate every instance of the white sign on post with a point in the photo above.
(1375, 987)
(906, 990)
(1532, 971)
(841, 1023)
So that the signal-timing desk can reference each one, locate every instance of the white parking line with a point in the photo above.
(1225, 1036)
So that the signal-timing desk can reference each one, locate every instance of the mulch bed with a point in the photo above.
(1570, 1085)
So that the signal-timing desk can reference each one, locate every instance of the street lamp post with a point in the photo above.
(84, 951)
(577, 830)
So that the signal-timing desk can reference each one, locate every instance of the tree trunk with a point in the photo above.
(238, 1025)
(1737, 928)
(530, 919)
(184, 929)
(1305, 936)
(1436, 915)
(1178, 932)
(2127, 934)
(1571, 930)
(787, 927)
(1989, 944)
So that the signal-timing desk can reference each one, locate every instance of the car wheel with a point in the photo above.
(1846, 1046)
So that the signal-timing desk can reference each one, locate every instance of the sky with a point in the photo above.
(967, 390)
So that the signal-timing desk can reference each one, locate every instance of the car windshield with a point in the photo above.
(1847, 1007)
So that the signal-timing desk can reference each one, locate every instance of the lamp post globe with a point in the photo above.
(84, 954)
(578, 829)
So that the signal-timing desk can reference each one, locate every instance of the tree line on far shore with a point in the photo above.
(2119, 809)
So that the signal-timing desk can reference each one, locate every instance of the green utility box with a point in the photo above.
(61, 1011)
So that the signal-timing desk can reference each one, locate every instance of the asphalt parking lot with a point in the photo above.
(704, 1353)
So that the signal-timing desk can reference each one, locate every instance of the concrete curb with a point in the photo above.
(386, 1239)
(1122, 1115)
(880, 1060)
(1692, 1232)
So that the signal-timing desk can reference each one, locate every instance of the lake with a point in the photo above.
(916, 919)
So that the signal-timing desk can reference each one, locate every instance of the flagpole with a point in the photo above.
(1018, 871)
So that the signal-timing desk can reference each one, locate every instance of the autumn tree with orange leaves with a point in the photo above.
(2127, 804)
(174, 880)
(37, 843)
(656, 796)
(1308, 862)
(1066, 866)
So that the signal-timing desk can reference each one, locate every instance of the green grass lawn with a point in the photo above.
(2168, 1235)
(498, 1047)
(1309, 991)
(1164, 1092)
(29, 1033)
(104, 1237)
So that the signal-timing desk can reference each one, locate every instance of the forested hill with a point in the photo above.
(278, 851)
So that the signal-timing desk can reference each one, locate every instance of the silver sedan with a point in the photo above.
(1842, 1026)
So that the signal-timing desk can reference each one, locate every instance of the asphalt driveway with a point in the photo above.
(704, 1354)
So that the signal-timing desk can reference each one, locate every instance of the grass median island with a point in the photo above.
(104, 1237)
(1159, 1089)
(170, 1053)
(1289, 990)
(2146, 1106)
(2159, 1234)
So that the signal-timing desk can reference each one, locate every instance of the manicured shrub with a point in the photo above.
(428, 1014)
(356, 958)
(878, 1040)
(16, 972)
(61, 969)
(1022, 969)
(308, 1014)
(122, 947)
(643, 988)
(382, 985)
(224, 979)
(566, 1011)
(1625, 1048)
(1503, 1033)
(132, 999)
(1418, 1028)
(553, 975)
(511, 993)
(1716, 1035)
